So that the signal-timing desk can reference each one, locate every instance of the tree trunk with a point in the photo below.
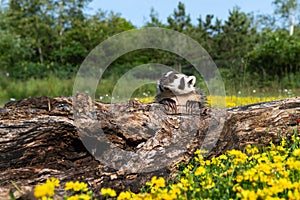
(123, 145)
(292, 22)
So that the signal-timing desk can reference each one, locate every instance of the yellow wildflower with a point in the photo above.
(223, 157)
(200, 159)
(108, 192)
(238, 156)
(294, 195)
(199, 152)
(146, 100)
(263, 158)
(237, 188)
(76, 186)
(230, 170)
(249, 195)
(54, 181)
(278, 159)
(156, 183)
(280, 149)
(296, 152)
(175, 191)
(46, 189)
(184, 184)
(251, 150)
(215, 161)
(292, 163)
(232, 101)
(283, 141)
(124, 196)
(200, 171)
(208, 183)
(207, 162)
(239, 178)
(79, 197)
(186, 170)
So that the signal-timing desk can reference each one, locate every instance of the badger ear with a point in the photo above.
(191, 80)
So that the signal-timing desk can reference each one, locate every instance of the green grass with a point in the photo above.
(54, 87)
(17, 89)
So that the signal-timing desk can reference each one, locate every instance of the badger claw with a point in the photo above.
(170, 105)
(192, 105)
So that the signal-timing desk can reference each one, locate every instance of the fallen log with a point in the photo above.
(123, 145)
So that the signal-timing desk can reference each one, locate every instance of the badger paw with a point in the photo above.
(170, 105)
(191, 106)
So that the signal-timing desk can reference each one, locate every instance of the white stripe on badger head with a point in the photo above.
(168, 73)
(176, 83)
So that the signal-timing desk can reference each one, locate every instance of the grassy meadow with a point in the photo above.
(13, 89)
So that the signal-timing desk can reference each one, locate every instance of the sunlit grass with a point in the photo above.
(11, 89)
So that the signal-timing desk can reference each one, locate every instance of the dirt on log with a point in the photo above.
(123, 145)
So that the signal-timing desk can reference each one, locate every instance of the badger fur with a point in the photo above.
(177, 91)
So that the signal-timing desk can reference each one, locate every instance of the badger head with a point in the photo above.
(177, 83)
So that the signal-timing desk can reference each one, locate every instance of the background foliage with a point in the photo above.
(45, 41)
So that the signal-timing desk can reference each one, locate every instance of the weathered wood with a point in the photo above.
(39, 139)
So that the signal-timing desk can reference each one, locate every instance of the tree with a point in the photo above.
(85, 35)
(31, 19)
(13, 50)
(205, 32)
(236, 38)
(69, 13)
(179, 21)
(44, 24)
(276, 57)
(154, 20)
(265, 22)
(286, 9)
(3, 5)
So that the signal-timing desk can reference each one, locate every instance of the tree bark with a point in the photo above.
(123, 145)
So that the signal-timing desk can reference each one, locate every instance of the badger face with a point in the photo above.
(177, 83)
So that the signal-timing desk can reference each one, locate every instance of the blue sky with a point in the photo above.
(137, 11)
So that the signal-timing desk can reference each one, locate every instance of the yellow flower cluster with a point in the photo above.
(79, 197)
(156, 189)
(227, 101)
(272, 172)
(147, 99)
(76, 186)
(108, 192)
(233, 101)
(269, 173)
(46, 191)
(156, 183)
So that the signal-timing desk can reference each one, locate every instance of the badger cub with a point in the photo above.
(178, 93)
